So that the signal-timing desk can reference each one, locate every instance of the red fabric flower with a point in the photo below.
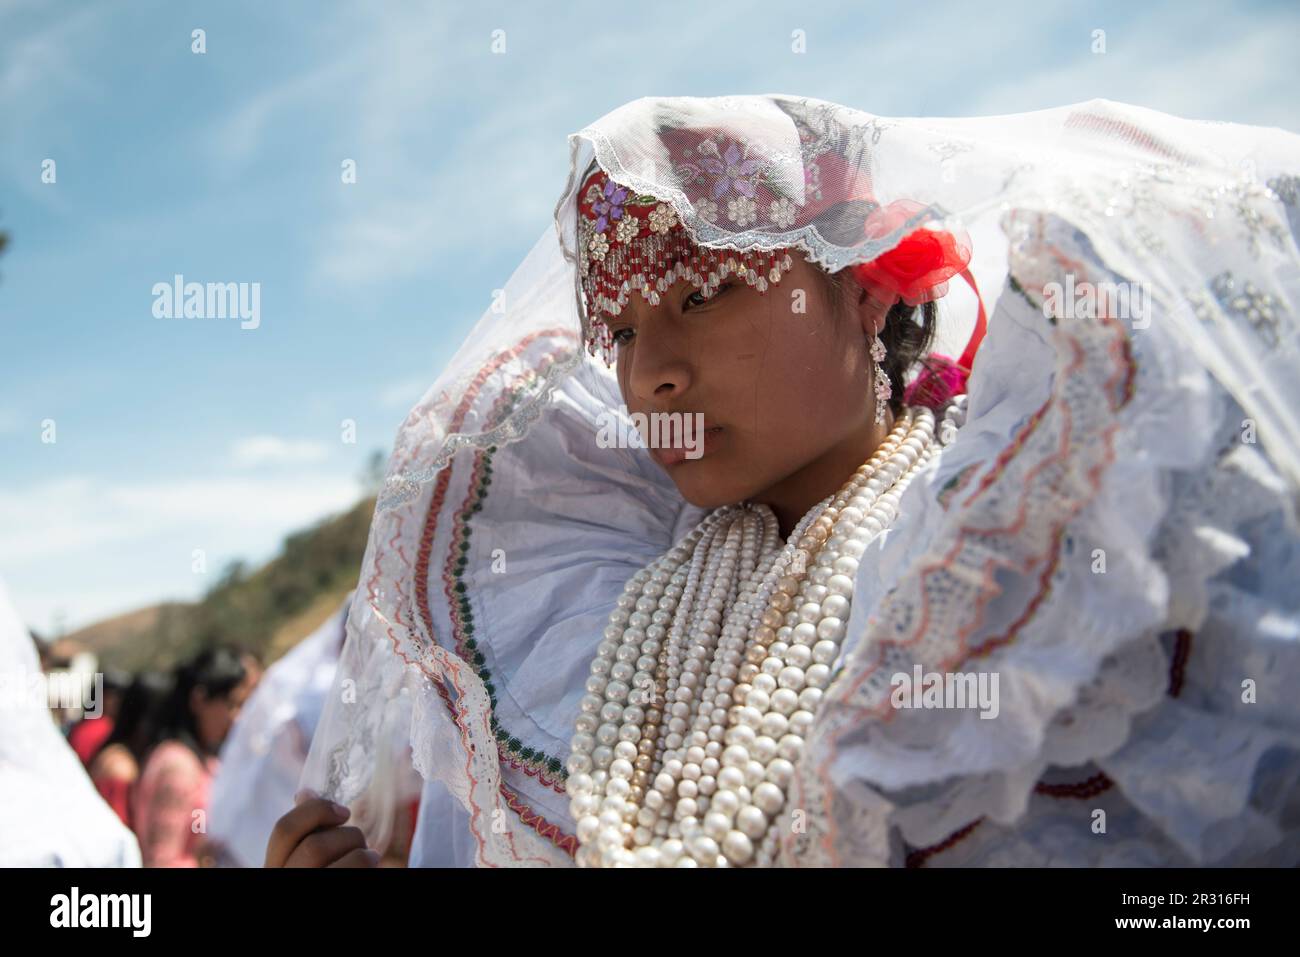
(917, 270)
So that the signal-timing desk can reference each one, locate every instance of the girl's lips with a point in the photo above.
(668, 457)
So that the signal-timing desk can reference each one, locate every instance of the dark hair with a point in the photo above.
(139, 718)
(907, 335)
(116, 680)
(216, 671)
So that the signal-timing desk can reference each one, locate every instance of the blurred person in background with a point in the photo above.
(171, 800)
(115, 768)
(68, 667)
(89, 734)
(264, 753)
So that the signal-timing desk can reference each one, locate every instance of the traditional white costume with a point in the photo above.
(1106, 524)
(50, 813)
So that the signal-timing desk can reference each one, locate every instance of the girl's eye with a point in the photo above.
(691, 300)
(624, 335)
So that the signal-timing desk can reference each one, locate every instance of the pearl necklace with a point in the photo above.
(711, 670)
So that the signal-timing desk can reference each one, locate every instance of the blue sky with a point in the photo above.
(225, 166)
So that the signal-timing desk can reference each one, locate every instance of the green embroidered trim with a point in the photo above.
(1023, 293)
(534, 762)
(956, 484)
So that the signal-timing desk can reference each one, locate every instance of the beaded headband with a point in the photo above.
(630, 242)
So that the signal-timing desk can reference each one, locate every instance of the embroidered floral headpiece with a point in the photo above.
(629, 242)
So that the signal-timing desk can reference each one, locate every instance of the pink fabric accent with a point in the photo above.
(175, 785)
(940, 379)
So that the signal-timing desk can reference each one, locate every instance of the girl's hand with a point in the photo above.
(312, 835)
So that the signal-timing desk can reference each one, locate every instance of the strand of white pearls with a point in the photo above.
(718, 579)
(608, 772)
(852, 541)
(723, 769)
(825, 599)
(687, 767)
(632, 620)
(722, 572)
(659, 803)
(702, 567)
(780, 687)
(606, 786)
(692, 775)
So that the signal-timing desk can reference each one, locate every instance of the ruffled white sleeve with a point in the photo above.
(1107, 547)
(475, 622)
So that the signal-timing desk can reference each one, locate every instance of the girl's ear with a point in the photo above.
(873, 304)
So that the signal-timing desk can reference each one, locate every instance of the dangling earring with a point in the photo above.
(881, 378)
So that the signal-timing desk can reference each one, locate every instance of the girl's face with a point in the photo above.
(782, 379)
(215, 716)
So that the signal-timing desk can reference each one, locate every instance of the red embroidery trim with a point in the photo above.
(1099, 783)
(1093, 786)
(1182, 650)
(457, 624)
(566, 843)
(918, 857)
(1125, 377)
(1122, 129)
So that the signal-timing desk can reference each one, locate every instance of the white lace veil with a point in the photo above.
(1202, 215)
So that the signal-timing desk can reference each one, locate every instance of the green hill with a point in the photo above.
(267, 610)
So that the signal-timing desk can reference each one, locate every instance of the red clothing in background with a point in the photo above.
(89, 735)
(117, 794)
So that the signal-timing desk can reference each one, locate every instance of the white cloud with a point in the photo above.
(87, 549)
(262, 450)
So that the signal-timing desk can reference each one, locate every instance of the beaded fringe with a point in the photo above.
(611, 278)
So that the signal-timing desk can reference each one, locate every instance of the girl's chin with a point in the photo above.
(709, 491)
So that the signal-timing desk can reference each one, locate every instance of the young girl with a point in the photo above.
(846, 616)
(171, 799)
(115, 768)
